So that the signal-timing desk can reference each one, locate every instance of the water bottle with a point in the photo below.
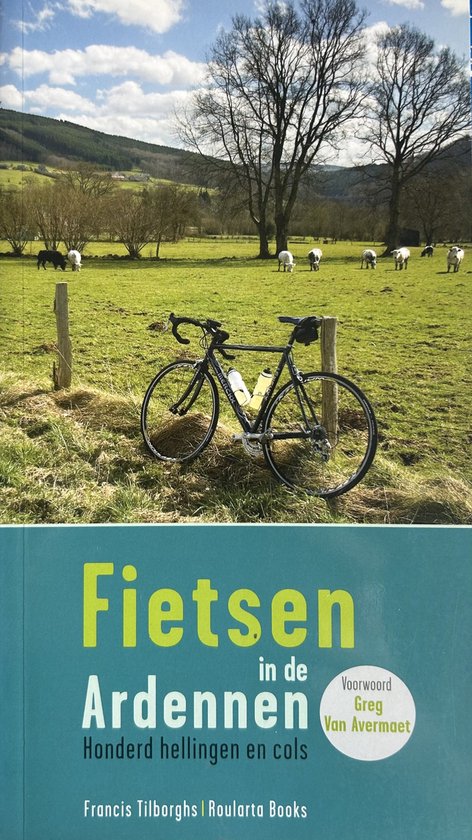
(263, 382)
(238, 387)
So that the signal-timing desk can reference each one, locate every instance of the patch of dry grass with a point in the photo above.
(77, 456)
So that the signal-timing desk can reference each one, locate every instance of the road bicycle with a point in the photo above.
(317, 432)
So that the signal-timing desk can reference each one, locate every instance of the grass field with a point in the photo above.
(77, 456)
(12, 178)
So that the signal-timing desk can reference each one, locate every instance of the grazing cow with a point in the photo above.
(428, 251)
(74, 259)
(401, 257)
(285, 258)
(314, 257)
(53, 257)
(455, 255)
(369, 257)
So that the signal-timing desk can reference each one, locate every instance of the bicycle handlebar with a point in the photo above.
(208, 326)
(220, 336)
(175, 321)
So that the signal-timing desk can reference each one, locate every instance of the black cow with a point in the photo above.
(428, 251)
(53, 257)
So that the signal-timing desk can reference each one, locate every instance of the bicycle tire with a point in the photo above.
(296, 450)
(178, 418)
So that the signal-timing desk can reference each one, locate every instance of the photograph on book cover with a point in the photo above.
(235, 483)
(244, 168)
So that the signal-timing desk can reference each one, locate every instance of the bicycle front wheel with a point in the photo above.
(179, 412)
(322, 435)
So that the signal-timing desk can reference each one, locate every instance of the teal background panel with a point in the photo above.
(412, 591)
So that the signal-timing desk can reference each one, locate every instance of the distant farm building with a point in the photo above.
(408, 236)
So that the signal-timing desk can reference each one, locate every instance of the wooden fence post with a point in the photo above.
(62, 372)
(329, 389)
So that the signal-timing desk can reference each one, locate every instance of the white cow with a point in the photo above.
(75, 260)
(369, 257)
(401, 257)
(455, 255)
(314, 257)
(285, 258)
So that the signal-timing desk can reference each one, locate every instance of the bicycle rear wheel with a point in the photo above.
(322, 435)
(179, 413)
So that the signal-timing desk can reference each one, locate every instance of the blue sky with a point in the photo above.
(123, 66)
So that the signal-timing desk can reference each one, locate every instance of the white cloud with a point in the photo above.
(65, 66)
(44, 96)
(123, 109)
(456, 7)
(158, 15)
(129, 99)
(42, 20)
(372, 33)
(11, 97)
(408, 4)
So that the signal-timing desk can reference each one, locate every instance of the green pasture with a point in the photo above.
(403, 336)
(12, 178)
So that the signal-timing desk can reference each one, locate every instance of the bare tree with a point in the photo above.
(419, 105)
(280, 90)
(84, 194)
(132, 223)
(430, 199)
(86, 179)
(14, 220)
(47, 213)
(171, 207)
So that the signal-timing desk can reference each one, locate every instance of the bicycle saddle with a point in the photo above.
(289, 319)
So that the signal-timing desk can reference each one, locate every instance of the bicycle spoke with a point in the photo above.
(179, 413)
(323, 439)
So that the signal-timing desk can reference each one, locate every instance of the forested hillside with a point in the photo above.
(57, 143)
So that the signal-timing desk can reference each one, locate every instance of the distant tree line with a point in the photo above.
(83, 204)
(284, 92)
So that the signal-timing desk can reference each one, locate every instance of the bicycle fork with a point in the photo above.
(195, 385)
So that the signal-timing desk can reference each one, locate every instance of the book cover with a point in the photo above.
(222, 680)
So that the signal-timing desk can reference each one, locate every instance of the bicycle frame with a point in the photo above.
(248, 426)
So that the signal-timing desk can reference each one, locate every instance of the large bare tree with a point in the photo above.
(419, 104)
(86, 179)
(46, 212)
(280, 90)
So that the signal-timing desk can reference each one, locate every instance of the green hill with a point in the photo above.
(59, 143)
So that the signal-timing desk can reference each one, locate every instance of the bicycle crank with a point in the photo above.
(252, 443)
